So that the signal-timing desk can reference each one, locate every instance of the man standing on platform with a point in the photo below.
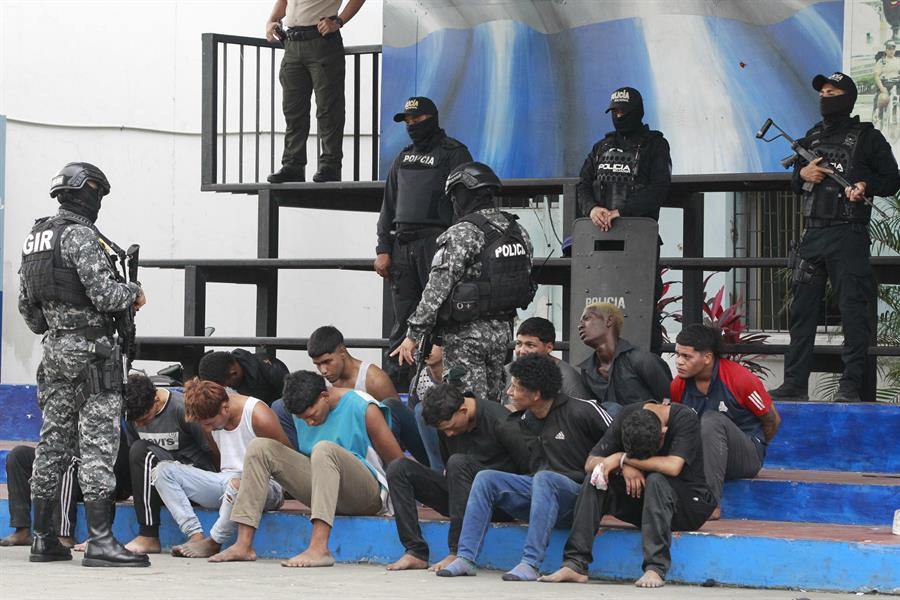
(414, 213)
(627, 174)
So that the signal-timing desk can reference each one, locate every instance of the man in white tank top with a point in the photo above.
(232, 421)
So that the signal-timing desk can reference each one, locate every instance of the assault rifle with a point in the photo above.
(808, 155)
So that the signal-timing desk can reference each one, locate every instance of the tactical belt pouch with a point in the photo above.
(464, 302)
(803, 270)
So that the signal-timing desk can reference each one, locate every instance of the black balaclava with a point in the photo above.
(630, 101)
(466, 201)
(630, 122)
(84, 202)
(423, 132)
(835, 108)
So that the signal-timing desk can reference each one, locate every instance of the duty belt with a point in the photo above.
(306, 32)
(410, 235)
(90, 333)
(818, 223)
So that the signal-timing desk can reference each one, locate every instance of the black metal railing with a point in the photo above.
(242, 117)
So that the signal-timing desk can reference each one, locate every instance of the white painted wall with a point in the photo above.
(71, 74)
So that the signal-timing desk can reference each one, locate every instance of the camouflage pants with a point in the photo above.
(480, 347)
(74, 424)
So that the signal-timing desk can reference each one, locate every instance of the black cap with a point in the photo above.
(417, 105)
(838, 80)
(625, 99)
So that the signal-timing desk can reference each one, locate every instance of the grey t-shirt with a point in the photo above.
(171, 433)
(572, 383)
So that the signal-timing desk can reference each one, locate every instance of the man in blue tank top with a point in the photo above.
(344, 441)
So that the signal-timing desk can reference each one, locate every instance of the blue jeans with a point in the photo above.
(430, 440)
(546, 500)
(178, 485)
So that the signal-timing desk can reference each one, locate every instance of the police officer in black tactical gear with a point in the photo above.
(480, 275)
(71, 294)
(835, 243)
(627, 174)
(414, 213)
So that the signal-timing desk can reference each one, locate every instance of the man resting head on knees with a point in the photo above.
(232, 421)
(648, 471)
(474, 435)
(344, 441)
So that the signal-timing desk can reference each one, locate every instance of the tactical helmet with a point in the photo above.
(75, 175)
(473, 175)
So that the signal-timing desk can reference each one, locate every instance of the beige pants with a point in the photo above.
(331, 480)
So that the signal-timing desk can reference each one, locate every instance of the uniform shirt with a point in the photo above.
(682, 439)
(653, 179)
(430, 166)
(634, 376)
(80, 249)
(170, 431)
(734, 391)
(455, 259)
(303, 13)
(874, 162)
(494, 443)
(263, 378)
(561, 441)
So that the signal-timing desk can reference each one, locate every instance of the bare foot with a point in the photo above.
(309, 558)
(443, 563)
(20, 537)
(67, 541)
(203, 548)
(408, 562)
(650, 579)
(79, 547)
(716, 514)
(234, 553)
(145, 545)
(564, 575)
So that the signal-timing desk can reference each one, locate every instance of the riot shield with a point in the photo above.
(617, 266)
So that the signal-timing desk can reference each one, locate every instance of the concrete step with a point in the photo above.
(814, 496)
(762, 554)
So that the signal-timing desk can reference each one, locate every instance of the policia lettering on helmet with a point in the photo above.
(70, 292)
(835, 242)
(414, 213)
(627, 174)
(480, 275)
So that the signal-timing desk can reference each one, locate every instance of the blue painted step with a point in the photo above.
(739, 553)
(20, 417)
(813, 497)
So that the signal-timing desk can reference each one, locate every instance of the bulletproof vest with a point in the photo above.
(420, 187)
(45, 274)
(618, 161)
(505, 283)
(827, 199)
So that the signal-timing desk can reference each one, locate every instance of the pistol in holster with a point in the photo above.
(804, 271)
(104, 374)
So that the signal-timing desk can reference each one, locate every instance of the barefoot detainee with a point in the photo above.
(344, 440)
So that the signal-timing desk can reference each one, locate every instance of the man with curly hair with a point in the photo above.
(157, 430)
(648, 471)
(561, 432)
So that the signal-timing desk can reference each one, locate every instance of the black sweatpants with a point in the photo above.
(143, 457)
(666, 505)
(409, 481)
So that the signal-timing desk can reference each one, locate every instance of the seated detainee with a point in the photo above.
(647, 470)
(737, 416)
(157, 430)
(234, 421)
(249, 374)
(617, 371)
(474, 435)
(344, 441)
(537, 335)
(561, 431)
(331, 357)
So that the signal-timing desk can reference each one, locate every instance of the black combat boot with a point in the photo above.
(45, 546)
(103, 550)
